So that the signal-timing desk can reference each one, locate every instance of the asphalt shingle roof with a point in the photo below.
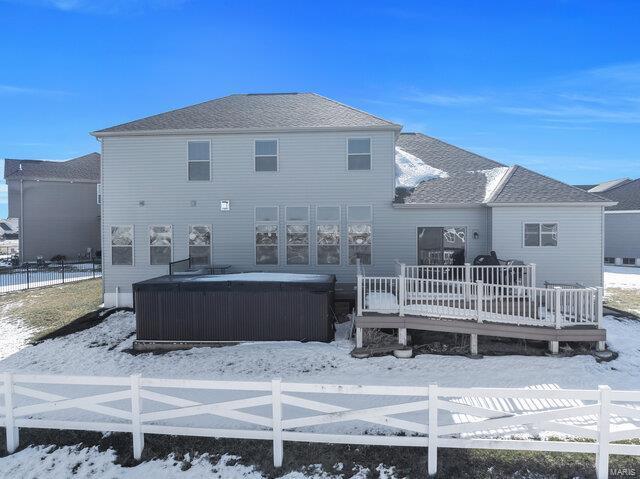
(526, 186)
(257, 111)
(86, 168)
(627, 195)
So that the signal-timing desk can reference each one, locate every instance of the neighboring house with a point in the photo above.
(9, 234)
(301, 183)
(56, 204)
(622, 221)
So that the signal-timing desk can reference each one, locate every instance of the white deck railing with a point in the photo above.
(591, 421)
(520, 275)
(411, 294)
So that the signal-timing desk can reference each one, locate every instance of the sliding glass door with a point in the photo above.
(442, 244)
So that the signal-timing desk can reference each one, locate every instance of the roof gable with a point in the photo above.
(256, 112)
(627, 195)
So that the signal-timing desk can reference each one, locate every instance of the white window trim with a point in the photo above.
(133, 247)
(540, 234)
(370, 153)
(256, 223)
(261, 156)
(203, 140)
(341, 243)
(210, 240)
(149, 244)
(357, 222)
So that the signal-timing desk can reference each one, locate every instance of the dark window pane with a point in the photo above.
(199, 151)
(297, 255)
(266, 255)
(160, 254)
(121, 255)
(267, 213)
(199, 171)
(328, 254)
(266, 163)
(362, 252)
(266, 147)
(358, 146)
(359, 162)
(199, 254)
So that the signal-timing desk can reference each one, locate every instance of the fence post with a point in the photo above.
(557, 295)
(136, 430)
(62, 262)
(359, 298)
(28, 279)
(432, 451)
(602, 457)
(276, 405)
(479, 300)
(12, 432)
(402, 293)
(93, 269)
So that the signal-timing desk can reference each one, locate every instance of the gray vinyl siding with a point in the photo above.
(59, 218)
(312, 170)
(622, 235)
(13, 197)
(578, 256)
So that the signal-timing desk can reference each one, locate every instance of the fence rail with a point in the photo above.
(591, 421)
(30, 275)
(416, 291)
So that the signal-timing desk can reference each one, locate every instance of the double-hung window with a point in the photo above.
(200, 244)
(160, 241)
(328, 234)
(540, 234)
(266, 222)
(359, 154)
(122, 245)
(297, 219)
(266, 155)
(359, 219)
(199, 160)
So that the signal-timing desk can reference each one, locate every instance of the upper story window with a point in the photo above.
(266, 155)
(160, 240)
(199, 161)
(359, 235)
(541, 234)
(359, 153)
(122, 245)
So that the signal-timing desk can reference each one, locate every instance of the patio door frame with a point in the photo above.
(417, 244)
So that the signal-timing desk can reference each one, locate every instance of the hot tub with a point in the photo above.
(234, 308)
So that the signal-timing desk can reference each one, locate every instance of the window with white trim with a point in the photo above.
(266, 155)
(266, 222)
(199, 160)
(359, 235)
(359, 153)
(540, 234)
(328, 235)
(160, 242)
(297, 222)
(122, 245)
(200, 244)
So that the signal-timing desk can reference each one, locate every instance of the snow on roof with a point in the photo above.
(494, 176)
(411, 170)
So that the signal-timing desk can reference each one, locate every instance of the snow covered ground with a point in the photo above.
(621, 277)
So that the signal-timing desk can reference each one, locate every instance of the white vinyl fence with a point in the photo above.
(589, 421)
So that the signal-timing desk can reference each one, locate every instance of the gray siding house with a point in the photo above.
(301, 183)
(56, 204)
(622, 221)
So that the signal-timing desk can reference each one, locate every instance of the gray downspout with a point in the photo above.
(21, 222)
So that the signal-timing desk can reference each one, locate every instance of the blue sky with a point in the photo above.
(552, 85)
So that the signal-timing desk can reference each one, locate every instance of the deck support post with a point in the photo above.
(402, 336)
(554, 347)
(601, 345)
(358, 337)
(402, 293)
(473, 344)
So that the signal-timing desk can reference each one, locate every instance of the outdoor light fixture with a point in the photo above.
(476, 235)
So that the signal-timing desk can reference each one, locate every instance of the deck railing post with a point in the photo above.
(532, 279)
(557, 294)
(12, 432)
(276, 406)
(28, 278)
(62, 263)
(359, 298)
(432, 451)
(402, 293)
(599, 300)
(479, 300)
(602, 456)
(467, 273)
(136, 428)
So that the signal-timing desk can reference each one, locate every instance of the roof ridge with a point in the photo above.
(623, 183)
(458, 147)
(501, 184)
(354, 108)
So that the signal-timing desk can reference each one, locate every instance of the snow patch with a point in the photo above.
(494, 176)
(622, 277)
(411, 170)
(381, 301)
